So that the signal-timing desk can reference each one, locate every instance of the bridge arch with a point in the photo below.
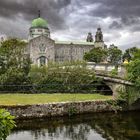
(103, 88)
(115, 84)
(116, 88)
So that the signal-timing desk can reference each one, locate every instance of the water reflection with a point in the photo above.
(108, 126)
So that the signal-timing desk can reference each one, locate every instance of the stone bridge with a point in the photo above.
(115, 84)
(103, 71)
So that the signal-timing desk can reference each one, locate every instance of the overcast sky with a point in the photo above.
(73, 19)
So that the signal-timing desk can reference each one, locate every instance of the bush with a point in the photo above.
(13, 80)
(55, 78)
(114, 72)
(6, 124)
(60, 78)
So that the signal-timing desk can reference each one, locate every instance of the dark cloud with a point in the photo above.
(115, 25)
(28, 9)
(130, 20)
(127, 10)
(71, 18)
(116, 8)
(125, 22)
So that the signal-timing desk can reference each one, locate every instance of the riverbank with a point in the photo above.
(59, 109)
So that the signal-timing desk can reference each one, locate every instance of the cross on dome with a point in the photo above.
(39, 13)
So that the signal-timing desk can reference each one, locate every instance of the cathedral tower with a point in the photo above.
(99, 35)
(99, 42)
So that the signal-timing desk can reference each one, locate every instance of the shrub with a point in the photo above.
(6, 124)
(114, 72)
(61, 78)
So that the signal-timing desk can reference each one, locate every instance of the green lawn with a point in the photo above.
(14, 99)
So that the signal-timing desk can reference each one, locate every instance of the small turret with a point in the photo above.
(89, 37)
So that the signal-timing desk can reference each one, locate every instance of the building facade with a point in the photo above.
(42, 49)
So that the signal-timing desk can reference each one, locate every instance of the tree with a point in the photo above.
(133, 68)
(12, 54)
(133, 75)
(95, 55)
(133, 71)
(15, 65)
(114, 55)
(129, 53)
(136, 55)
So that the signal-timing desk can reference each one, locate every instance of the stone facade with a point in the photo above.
(71, 51)
(56, 51)
(41, 48)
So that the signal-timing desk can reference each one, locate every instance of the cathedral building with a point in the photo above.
(42, 48)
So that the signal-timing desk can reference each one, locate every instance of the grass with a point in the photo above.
(24, 99)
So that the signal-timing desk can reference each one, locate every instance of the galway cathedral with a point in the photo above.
(42, 49)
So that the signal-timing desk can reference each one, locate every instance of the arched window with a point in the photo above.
(42, 60)
(100, 37)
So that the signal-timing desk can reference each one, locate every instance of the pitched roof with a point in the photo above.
(74, 42)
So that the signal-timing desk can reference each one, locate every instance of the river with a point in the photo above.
(99, 126)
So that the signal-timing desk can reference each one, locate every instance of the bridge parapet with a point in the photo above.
(115, 80)
(106, 68)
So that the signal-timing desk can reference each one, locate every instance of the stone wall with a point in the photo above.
(71, 52)
(58, 109)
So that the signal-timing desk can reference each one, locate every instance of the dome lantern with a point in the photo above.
(39, 22)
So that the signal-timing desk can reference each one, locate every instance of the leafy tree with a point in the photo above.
(133, 69)
(114, 55)
(129, 53)
(96, 55)
(136, 55)
(12, 55)
(133, 75)
(6, 124)
(15, 65)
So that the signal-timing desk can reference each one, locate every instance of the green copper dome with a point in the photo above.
(39, 22)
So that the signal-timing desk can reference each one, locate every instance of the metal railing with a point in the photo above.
(56, 88)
